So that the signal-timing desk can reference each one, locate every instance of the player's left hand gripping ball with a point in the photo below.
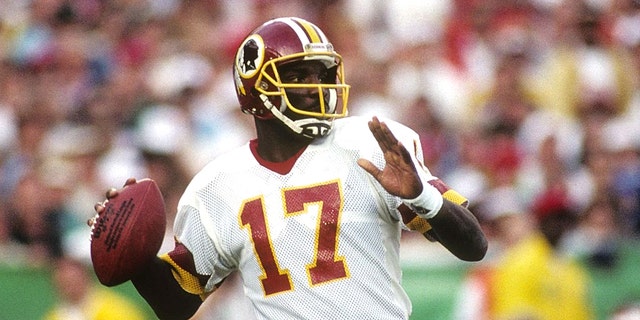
(128, 233)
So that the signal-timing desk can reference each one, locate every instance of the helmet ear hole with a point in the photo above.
(254, 92)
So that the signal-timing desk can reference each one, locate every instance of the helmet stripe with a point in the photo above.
(310, 30)
(302, 35)
(307, 32)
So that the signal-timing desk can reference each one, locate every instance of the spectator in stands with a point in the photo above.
(89, 62)
(506, 222)
(595, 238)
(586, 75)
(11, 252)
(78, 297)
(33, 223)
(533, 280)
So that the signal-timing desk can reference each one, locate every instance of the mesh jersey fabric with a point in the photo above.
(319, 242)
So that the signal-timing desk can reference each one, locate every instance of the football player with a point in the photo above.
(311, 212)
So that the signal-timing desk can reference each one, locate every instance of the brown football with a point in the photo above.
(128, 233)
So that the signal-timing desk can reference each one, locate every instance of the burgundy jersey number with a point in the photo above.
(327, 265)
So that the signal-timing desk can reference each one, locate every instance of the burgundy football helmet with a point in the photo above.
(260, 89)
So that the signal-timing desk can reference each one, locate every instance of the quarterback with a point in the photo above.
(311, 212)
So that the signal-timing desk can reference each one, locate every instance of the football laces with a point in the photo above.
(92, 223)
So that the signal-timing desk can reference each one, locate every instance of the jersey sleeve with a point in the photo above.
(184, 270)
(197, 263)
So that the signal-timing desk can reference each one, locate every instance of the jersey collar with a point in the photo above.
(283, 167)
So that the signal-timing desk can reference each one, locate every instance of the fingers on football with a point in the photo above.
(130, 181)
(111, 193)
(99, 206)
(92, 221)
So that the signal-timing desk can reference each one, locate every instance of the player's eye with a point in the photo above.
(324, 77)
(292, 78)
(306, 73)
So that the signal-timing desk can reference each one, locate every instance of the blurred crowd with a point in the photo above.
(527, 107)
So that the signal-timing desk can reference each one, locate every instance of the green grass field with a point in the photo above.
(26, 294)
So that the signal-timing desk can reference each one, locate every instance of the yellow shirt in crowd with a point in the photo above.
(534, 282)
(100, 304)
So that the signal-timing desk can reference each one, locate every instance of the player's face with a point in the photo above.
(305, 72)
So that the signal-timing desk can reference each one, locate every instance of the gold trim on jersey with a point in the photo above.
(422, 225)
(419, 224)
(186, 280)
(456, 198)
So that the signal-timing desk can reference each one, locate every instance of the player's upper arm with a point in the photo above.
(184, 271)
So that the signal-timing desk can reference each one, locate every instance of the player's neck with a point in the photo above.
(277, 143)
(282, 167)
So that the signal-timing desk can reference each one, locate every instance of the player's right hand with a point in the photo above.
(110, 194)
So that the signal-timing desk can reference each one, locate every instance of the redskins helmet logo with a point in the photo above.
(250, 56)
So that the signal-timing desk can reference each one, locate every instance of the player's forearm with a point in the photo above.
(165, 296)
(457, 229)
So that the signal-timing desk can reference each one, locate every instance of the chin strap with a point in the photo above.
(309, 127)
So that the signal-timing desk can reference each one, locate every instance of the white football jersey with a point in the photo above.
(320, 241)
